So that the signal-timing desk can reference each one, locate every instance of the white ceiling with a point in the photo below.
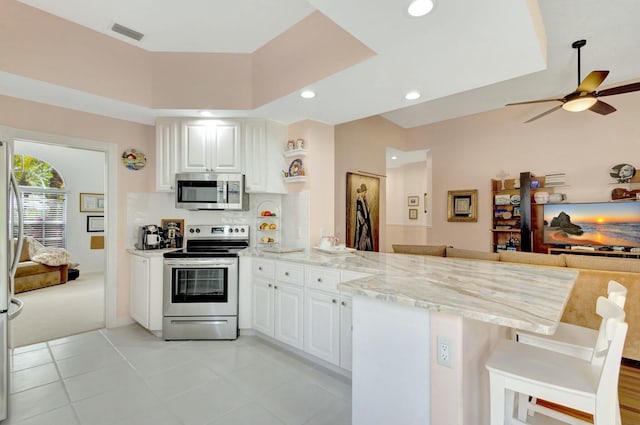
(465, 57)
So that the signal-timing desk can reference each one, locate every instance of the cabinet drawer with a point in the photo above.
(290, 272)
(323, 278)
(263, 268)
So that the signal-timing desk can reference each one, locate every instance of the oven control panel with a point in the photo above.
(217, 231)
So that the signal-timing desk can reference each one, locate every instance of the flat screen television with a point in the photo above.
(605, 224)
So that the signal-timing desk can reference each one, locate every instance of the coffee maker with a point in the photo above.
(149, 237)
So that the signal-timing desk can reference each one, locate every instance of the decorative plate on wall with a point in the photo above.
(133, 159)
(296, 169)
(623, 172)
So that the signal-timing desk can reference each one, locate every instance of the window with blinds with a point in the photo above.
(45, 216)
(44, 200)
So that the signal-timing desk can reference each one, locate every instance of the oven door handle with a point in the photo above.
(201, 262)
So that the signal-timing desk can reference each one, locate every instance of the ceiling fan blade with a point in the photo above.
(555, 108)
(627, 88)
(602, 108)
(592, 81)
(535, 101)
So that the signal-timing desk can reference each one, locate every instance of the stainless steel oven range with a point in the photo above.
(200, 297)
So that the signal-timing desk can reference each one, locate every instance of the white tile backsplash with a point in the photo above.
(150, 208)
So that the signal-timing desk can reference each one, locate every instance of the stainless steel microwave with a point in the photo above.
(211, 191)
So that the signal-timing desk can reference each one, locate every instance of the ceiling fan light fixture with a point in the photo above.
(419, 8)
(579, 104)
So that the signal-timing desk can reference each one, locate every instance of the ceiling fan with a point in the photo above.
(585, 96)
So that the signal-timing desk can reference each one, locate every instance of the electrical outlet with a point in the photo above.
(443, 351)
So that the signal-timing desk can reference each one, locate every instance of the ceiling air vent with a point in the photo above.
(127, 32)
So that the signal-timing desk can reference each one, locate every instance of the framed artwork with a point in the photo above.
(462, 205)
(177, 223)
(173, 229)
(363, 212)
(95, 223)
(91, 202)
(413, 213)
(516, 211)
(414, 201)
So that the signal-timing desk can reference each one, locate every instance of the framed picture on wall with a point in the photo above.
(91, 202)
(95, 223)
(413, 213)
(462, 205)
(414, 201)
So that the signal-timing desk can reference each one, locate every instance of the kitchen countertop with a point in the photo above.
(520, 296)
(150, 253)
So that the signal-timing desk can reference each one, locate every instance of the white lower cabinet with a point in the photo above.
(303, 307)
(346, 330)
(288, 320)
(263, 306)
(145, 304)
(322, 325)
(278, 309)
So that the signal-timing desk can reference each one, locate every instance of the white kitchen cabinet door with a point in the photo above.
(255, 155)
(227, 151)
(289, 300)
(322, 325)
(263, 145)
(145, 304)
(167, 138)
(195, 144)
(139, 287)
(263, 304)
(346, 331)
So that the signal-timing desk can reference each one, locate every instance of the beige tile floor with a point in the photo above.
(126, 376)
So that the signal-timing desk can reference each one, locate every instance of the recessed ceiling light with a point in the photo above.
(419, 8)
(206, 114)
(308, 94)
(394, 157)
(412, 95)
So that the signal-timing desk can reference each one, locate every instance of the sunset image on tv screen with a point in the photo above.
(597, 224)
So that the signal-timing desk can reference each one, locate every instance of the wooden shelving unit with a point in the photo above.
(517, 225)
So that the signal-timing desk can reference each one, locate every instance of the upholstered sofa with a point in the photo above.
(33, 275)
(594, 274)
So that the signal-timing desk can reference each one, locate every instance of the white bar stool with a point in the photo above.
(573, 340)
(588, 386)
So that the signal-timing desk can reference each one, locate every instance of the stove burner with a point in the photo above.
(207, 241)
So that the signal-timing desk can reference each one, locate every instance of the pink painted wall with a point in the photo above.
(360, 146)
(25, 115)
(468, 152)
(299, 57)
(43, 47)
(320, 169)
(201, 81)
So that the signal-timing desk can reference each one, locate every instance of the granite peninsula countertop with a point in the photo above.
(520, 296)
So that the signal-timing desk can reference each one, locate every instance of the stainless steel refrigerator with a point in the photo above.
(10, 307)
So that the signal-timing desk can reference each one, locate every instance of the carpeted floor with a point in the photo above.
(58, 311)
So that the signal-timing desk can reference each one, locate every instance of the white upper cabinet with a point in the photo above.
(167, 142)
(195, 146)
(252, 146)
(227, 156)
(263, 163)
(210, 145)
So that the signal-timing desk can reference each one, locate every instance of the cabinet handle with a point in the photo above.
(334, 301)
(270, 285)
(275, 287)
(260, 268)
(343, 303)
(286, 273)
(319, 280)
